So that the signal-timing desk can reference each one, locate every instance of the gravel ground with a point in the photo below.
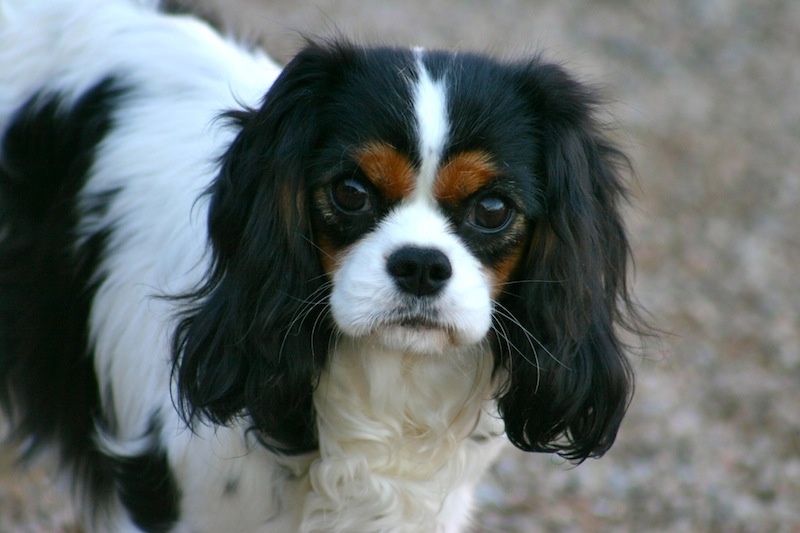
(709, 108)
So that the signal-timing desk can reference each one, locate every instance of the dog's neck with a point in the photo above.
(392, 428)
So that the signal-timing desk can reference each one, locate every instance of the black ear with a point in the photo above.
(569, 382)
(255, 339)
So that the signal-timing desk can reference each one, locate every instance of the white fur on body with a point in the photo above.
(404, 433)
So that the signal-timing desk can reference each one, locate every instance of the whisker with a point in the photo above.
(500, 330)
(307, 306)
(317, 321)
(315, 245)
(523, 281)
(314, 294)
(504, 312)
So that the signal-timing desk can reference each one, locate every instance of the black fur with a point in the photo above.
(248, 349)
(569, 387)
(147, 487)
(47, 284)
(245, 350)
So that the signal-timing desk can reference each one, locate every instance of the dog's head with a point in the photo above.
(425, 201)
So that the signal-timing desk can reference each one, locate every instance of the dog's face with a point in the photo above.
(424, 201)
(410, 282)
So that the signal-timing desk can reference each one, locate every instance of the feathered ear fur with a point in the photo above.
(569, 383)
(255, 340)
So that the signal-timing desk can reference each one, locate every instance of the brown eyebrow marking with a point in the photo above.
(462, 176)
(389, 171)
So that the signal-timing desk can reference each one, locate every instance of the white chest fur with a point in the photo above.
(403, 439)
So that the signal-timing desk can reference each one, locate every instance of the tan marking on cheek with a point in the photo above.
(500, 273)
(463, 176)
(329, 256)
(389, 171)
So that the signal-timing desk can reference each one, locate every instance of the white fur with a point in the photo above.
(430, 111)
(387, 461)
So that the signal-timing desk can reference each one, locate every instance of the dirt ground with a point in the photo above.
(707, 99)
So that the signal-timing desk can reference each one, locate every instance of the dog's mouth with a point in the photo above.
(417, 332)
(418, 323)
(424, 327)
(416, 318)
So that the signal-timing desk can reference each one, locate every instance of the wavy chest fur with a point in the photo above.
(403, 439)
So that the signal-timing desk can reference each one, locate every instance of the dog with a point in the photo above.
(238, 297)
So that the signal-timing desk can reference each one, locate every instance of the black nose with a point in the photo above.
(419, 271)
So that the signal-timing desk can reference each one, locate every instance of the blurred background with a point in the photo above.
(706, 98)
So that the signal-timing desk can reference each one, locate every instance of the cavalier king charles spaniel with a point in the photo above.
(235, 297)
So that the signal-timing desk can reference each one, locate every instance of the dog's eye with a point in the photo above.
(351, 195)
(490, 213)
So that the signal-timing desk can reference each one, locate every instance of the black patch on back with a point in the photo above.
(47, 281)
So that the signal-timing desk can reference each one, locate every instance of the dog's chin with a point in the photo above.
(417, 338)
(409, 332)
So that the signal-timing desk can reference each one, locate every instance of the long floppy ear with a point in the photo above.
(254, 341)
(569, 382)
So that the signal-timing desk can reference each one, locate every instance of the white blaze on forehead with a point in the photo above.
(430, 110)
